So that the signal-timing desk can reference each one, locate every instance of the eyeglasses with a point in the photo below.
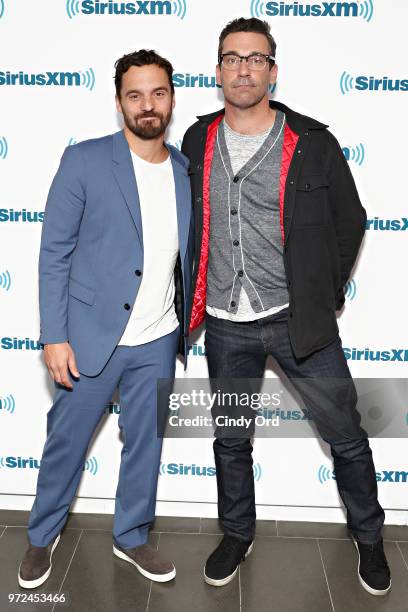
(255, 61)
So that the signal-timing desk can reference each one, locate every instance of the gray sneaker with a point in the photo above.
(148, 561)
(36, 565)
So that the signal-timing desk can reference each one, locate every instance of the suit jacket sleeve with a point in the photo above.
(62, 218)
(348, 213)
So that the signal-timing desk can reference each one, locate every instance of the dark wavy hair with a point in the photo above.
(247, 25)
(143, 57)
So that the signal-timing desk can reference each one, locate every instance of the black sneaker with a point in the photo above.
(222, 564)
(373, 570)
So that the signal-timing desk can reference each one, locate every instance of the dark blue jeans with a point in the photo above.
(240, 350)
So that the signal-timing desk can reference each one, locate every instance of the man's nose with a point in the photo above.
(147, 103)
(243, 68)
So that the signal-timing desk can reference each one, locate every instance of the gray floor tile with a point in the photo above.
(304, 529)
(266, 528)
(100, 582)
(284, 575)
(15, 518)
(188, 592)
(175, 524)
(340, 560)
(395, 533)
(403, 547)
(13, 545)
(81, 520)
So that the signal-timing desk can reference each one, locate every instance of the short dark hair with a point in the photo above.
(143, 57)
(247, 25)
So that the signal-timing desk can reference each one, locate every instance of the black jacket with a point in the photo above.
(322, 219)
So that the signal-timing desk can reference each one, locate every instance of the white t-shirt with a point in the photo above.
(153, 314)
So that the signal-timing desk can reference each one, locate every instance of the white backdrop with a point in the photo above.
(325, 61)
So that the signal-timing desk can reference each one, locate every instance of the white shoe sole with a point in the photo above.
(365, 586)
(145, 573)
(224, 581)
(33, 584)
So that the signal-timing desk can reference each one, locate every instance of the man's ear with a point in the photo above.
(173, 102)
(273, 74)
(118, 105)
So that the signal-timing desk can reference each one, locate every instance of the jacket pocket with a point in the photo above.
(81, 292)
(311, 206)
(310, 182)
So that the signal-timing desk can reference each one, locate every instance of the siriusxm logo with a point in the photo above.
(179, 469)
(355, 154)
(20, 216)
(194, 80)
(285, 415)
(19, 344)
(5, 280)
(324, 474)
(176, 8)
(370, 83)
(197, 350)
(81, 78)
(22, 463)
(386, 225)
(112, 408)
(367, 354)
(350, 289)
(3, 147)
(362, 8)
(8, 404)
(91, 465)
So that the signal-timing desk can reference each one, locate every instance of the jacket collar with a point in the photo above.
(121, 154)
(297, 122)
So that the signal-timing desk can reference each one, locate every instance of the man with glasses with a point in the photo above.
(278, 227)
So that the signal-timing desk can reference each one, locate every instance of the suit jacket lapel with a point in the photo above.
(125, 177)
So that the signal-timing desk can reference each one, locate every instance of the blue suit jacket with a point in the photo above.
(92, 245)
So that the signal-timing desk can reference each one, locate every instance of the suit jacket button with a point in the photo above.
(126, 306)
(233, 304)
(138, 273)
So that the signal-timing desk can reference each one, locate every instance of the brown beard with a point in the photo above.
(147, 131)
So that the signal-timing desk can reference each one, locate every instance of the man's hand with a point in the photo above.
(58, 358)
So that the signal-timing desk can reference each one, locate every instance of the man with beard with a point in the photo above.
(278, 227)
(115, 267)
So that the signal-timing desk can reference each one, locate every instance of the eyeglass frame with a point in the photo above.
(268, 58)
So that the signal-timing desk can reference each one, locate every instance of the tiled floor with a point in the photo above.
(294, 567)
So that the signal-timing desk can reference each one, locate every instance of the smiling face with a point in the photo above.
(146, 101)
(243, 87)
